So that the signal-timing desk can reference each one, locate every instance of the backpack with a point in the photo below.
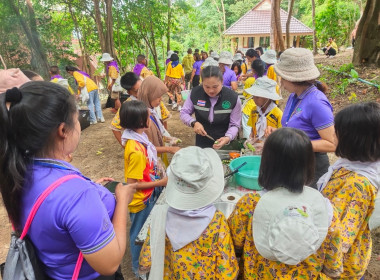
(22, 262)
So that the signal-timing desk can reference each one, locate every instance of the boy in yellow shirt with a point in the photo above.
(174, 79)
(331, 48)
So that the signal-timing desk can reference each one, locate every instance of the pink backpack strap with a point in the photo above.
(37, 205)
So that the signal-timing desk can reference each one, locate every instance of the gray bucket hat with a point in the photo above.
(264, 87)
(269, 57)
(225, 58)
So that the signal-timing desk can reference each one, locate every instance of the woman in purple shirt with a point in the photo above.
(229, 76)
(195, 75)
(39, 130)
(308, 108)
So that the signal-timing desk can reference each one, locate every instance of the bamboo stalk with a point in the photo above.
(3, 62)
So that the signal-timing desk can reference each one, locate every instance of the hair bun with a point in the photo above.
(13, 95)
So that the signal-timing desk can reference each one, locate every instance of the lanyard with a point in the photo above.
(51, 163)
(295, 103)
(155, 122)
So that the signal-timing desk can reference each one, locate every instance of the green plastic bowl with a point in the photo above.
(248, 175)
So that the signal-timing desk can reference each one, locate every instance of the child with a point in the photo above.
(265, 112)
(352, 182)
(174, 79)
(258, 68)
(140, 162)
(197, 243)
(291, 231)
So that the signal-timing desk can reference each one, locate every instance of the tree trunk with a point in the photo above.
(272, 27)
(99, 26)
(290, 11)
(169, 25)
(315, 51)
(367, 44)
(110, 47)
(39, 59)
(277, 18)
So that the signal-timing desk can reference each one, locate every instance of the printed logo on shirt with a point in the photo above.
(298, 110)
(106, 224)
(226, 104)
(201, 103)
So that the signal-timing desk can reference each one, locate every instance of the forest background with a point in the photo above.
(36, 34)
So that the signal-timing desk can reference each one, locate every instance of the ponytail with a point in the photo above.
(29, 116)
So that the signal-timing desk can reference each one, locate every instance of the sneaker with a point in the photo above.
(179, 108)
(174, 106)
(102, 120)
(94, 122)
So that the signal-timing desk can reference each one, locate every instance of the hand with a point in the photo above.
(124, 193)
(164, 182)
(269, 130)
(221, 142)
(173, 149)
(104, 179)
(199, 129)
(109, 87)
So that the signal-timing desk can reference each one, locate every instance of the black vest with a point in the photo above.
(222, 111)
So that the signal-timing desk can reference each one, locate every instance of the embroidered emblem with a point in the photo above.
(226, 104)
(201, 103)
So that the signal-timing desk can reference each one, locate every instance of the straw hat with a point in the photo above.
(106, 57)
(237, 57)
(225, 58)
(269, 57)
(169, 54)
(290, 227)
(210, 62)
(297, 65)
(264, 87)
(195, 178)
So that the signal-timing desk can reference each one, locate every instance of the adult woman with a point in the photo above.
(229, 77)
(195, 75)
(291, 231)
(352, 182)
(78, 216)
(307, 108)
(217, 110)
(83, 80)
(150, 92)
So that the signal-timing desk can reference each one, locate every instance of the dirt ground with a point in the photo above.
(99, 155)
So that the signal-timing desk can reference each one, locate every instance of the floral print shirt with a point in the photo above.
(210, 257)
(354, 197)
(326, 261)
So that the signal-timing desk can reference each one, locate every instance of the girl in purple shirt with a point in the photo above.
(39, 130)
(195, 75)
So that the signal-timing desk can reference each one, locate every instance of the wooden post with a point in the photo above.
(240, 43)
(298, 41)
(233, 44)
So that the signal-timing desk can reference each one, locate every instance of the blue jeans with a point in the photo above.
(92, 102)
(137, 221)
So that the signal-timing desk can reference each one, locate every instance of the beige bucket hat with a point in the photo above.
(195, 178)
(264, 87)
(297, 65)
(106, 57)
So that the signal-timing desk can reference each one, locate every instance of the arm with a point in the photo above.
(117, 134)
(148, 185)
(192, 74)
(234, 86)
(167, 149)
(327, 141)
(187, 111)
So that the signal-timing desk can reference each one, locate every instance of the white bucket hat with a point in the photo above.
(195, 179)
(106, 57)
(214, 55)
(297, 65)
(269, 57)
(225, 58)
(210, 62)
(169, 54)
(264, 87)
(290, 227)
(237, 56)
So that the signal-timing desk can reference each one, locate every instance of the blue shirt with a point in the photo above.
(309, 112)
(75, 216)
(228, 77)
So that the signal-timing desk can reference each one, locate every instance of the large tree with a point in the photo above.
(367, 45)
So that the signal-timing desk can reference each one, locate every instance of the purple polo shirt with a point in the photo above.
(75, 216)
(235, 117)
(197, 65)
(228, 77)
(312, 112)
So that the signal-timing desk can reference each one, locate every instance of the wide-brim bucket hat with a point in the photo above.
(169, 54)
(225, 58)
(297, 65)
(269, 57)
(237, 57)
(106, 57)
(195, 178)
(214, 55)
(210, 62)
(264, 87)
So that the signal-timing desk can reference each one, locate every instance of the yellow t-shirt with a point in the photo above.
(56, 80)
(271, 74)
(187, 63)
(243, 68)
(327, 259)
(354, 197)
(273, 118)
(145, 72)
(176, 72)
(250, 104)
(333, 45)
(137, 166)
(112, 74)
(90, 84)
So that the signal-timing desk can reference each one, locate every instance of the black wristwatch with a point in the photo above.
(192, 123)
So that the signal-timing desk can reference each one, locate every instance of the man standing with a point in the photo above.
(112, 71)
(187, 63)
